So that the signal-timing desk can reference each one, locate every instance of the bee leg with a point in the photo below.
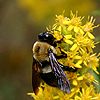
(67, 68)
(55, 43)
(64, 54)
(61, 56)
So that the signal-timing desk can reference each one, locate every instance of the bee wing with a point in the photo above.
(35, 77)
(62, 81)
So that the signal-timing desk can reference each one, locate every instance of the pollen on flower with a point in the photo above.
(88, 27)
(78, 43)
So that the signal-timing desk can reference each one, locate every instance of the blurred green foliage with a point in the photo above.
(96, 13)
(20, 23)
(41, 12)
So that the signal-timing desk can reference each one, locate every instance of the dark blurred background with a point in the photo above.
(20, 23)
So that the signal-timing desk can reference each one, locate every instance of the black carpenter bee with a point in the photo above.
(46, 66)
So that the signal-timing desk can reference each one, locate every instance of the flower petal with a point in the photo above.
(80, 78)
(74, 82)
(69, 41)
(76, 29)
(73, 47)
(66, 22)
(70, 27)
(68, 36)
(78, 66)
(90, 35)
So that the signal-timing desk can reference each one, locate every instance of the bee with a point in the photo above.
(45, 65)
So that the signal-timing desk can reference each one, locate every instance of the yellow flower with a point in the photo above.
(88, 27)
(67, 39)
(37, 97)
(78, 44)
(90, 78)
(91, 61)
(87, 94)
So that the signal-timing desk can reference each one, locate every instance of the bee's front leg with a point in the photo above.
(64, 55)
(67, 68)
(55, 43)
(70, 69)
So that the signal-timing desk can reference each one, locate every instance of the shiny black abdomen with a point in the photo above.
(49, 78)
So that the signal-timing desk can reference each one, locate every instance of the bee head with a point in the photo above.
(46, 37)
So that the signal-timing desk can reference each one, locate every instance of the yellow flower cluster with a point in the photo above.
(78, 44)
